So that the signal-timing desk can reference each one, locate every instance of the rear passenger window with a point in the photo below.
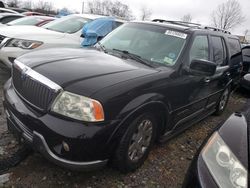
(235, 51)
(199, 49)
(219, 50)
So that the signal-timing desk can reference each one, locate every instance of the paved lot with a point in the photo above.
(166, 166)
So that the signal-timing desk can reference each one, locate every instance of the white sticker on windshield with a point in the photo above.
(176, 34)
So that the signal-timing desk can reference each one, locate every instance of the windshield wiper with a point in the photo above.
(134, 57)
(102, 47)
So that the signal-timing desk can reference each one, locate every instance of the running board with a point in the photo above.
(170, 134)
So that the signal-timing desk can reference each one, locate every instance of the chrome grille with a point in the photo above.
(34, 88)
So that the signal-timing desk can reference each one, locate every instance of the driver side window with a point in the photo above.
(199, 49)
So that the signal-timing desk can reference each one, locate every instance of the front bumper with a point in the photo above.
(39, 144)
(89, 144)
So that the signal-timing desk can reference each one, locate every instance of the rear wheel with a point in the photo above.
(223, 101)
(136, 143)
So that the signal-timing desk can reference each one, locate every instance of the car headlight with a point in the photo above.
(78, 107)
(24, 44)
(223, 165)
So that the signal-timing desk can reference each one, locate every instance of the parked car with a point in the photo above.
(245, 81)
(5, 10)
(222, 161)
(8, 17)
(63, 32)
(143, 82)
(246, 58)
(3, 5)
(94, 31)
(19, 10)
(32, 21)
(33, 14)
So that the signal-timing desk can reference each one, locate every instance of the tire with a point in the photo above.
(127, 157)
(222, 103)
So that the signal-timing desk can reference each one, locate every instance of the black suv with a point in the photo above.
(144, 82)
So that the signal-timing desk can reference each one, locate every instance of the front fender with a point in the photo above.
(151, 101)
(141, 102)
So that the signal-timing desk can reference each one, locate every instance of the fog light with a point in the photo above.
(65, 146)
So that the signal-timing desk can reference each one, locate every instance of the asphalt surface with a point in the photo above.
(166, 166)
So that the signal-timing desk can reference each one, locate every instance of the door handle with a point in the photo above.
(207, 80)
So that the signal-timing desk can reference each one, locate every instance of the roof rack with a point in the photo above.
(191, 25)
(217, 29)
(188, 24)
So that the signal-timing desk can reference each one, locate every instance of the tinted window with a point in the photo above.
(8, 19)
(26, 21)
(219, 50)
(234, 46)
(235, 51)
(199, 49)
(68, 24)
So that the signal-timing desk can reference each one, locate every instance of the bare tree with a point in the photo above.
(27, 4)
(187, 18)
(146, 13)
(228, 15)
(44, 7)
(110, 8)
(13, 3)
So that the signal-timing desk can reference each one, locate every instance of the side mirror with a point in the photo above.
(199, 67)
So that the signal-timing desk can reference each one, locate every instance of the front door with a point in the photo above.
(191, 98)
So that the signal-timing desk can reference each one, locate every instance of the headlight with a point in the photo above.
(78, 107)
(24, 44)
(223, 165)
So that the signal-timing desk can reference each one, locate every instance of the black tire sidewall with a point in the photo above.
(218, 110)
(124, 164)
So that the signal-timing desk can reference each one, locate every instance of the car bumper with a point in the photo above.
(198, 175)
(89, 145)
(39, 144)
(8, 55)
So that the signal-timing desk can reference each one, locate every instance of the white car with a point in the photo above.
(5, 10)
(64, 32)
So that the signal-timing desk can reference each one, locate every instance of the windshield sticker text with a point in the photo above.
(176, 34)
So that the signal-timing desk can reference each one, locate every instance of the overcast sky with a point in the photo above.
(172, 9)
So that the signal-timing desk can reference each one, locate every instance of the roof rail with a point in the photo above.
(182, 23)
(217, 29)
(192, 25)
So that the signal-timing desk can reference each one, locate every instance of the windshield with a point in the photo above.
(68, 24)
(26, 21)
(155, 44)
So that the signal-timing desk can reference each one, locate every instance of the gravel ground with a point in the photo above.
(166, 166)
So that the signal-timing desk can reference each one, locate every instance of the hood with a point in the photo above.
(83, 71)
(234, 132)
(28, 32)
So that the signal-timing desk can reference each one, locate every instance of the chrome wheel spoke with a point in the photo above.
(140, 140)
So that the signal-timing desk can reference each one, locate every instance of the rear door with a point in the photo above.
(236, 61)
(218, 82)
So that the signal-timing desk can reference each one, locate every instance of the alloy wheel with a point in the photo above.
(140, 140)
(224, 99)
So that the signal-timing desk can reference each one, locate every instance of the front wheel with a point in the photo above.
(223, 101)
(135, 144)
